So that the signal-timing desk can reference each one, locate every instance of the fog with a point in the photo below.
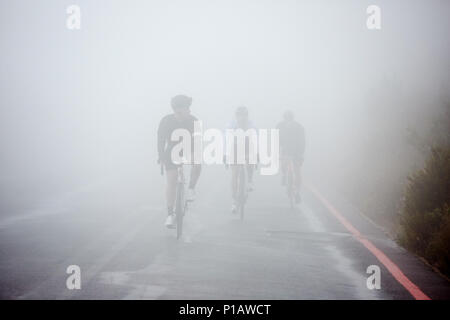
(80, 108)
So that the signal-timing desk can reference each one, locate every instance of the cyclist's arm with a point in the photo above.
(162, 134)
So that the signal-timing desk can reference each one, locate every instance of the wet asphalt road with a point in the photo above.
(275, 253)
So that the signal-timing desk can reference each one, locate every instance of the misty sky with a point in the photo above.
(80, 105)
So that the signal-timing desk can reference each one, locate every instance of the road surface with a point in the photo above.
(275, 253)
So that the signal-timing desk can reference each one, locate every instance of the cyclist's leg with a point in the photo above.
(250, 170)
(297, 177)
(195, 174)
(234, 187)
(297, 164)
(234, 181)
(171, 185)
(171, 181)
(283, 165)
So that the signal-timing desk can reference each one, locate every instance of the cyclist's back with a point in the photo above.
(240, 121)
(292, 138)
(292, 147)
(167, 126)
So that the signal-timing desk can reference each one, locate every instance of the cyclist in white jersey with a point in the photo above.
(240, 121)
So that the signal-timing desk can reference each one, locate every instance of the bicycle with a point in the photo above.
(181, 204)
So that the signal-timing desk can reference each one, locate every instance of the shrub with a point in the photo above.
(438, 251)
(425, 218)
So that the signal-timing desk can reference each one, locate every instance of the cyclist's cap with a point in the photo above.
(242, 111)
(181, 101)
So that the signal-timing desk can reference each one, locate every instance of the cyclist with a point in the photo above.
(292, 148)
(240, 121)
(181, 118)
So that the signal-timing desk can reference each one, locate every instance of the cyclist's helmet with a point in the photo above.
(288, 115)
(241, 111)
(181, 101)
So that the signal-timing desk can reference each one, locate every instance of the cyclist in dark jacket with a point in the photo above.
(292, 148)
(181, 118)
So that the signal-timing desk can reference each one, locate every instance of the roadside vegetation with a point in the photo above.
(402, 179)
(425, 214)
(423, 226)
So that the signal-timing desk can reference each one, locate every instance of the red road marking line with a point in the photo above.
(391, 266)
